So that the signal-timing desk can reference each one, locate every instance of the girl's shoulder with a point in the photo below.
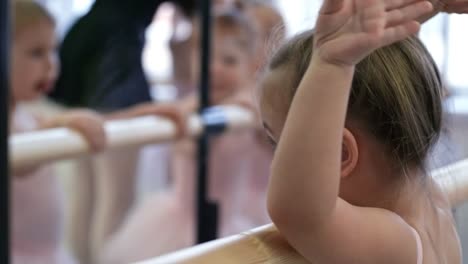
(24, 120)
(30, 116)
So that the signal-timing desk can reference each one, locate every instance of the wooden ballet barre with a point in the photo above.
(259, 245)
(266, 245)
(34, 148)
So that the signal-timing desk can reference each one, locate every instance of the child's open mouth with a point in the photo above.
(44, 86)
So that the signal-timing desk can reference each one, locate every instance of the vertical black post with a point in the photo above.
(205, 29)
(4, 87)
(207, 213)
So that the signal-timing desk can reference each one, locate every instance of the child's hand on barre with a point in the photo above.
(88, 123)
(173, 111)
(178, 112)
(349, 30)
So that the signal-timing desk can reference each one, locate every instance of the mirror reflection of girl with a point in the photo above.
(37, 213)
(239, 163)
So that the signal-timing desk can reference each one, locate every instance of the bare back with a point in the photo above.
(435, 225)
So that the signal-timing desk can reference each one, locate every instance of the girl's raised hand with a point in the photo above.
(349, 30)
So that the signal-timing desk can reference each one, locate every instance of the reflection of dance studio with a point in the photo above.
(233, 131)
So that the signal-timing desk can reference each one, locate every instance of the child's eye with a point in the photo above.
(38, 52)
(271, 142)
(230, 60)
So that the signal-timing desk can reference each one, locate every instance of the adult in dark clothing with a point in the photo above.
(101, 55)
(102, 69)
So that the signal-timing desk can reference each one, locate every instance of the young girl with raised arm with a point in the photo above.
(353, 108)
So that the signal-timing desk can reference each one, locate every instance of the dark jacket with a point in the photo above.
(101, 56)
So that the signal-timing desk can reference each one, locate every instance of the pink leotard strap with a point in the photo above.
(419, 246)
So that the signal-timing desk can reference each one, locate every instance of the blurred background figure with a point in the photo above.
(101, 55)
(37, 201)
(239, 163)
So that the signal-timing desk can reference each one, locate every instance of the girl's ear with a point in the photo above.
(349, 154)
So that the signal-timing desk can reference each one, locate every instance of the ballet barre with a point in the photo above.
(38, 147)
(260, 245)
(266, 245)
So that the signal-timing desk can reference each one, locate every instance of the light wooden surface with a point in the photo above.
(265, 244)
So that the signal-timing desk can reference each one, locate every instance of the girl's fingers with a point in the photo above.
(408, 13)
(331, 6)
(172, 112)
(92, 130)
(180, 120)
(398, 33)
(450, 2)
(456, 7)
(396, 4)
(95, 137)
(176, 115)
(100, 140)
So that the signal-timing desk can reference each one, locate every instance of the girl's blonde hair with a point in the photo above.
(396, 95)
(27, 13)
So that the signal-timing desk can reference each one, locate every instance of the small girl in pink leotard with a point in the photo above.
(36, 198)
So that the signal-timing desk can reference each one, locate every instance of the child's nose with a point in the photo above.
(214, 68)
(52, 66)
